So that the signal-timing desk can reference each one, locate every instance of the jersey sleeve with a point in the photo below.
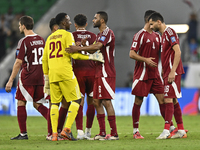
(136, 42)
(172, 37)
(20, 54)
(45, 59)
(69, 39)
(79, 56)
(105, 38)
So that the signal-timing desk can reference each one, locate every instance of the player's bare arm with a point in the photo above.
(137, 57)
(177, 58)
(16, 68)
(73, 49)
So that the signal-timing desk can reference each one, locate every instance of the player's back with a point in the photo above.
(59, 61)
(30, 50)
(84, 67)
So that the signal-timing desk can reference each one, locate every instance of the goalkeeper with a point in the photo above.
(59, 76)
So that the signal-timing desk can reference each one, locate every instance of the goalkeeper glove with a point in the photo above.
(97, 56)
(46, 85)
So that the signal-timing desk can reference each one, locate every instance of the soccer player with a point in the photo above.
(105, 75)
(31, 81)
(64, 107)
(172, 70)
(145, 50)
(85, 74)
(59, 76)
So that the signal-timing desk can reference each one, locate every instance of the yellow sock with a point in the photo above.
(54, 118)
(72, 112)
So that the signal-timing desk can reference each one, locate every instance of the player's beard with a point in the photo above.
(97, 24)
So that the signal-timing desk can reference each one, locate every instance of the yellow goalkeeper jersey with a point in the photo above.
(56, 62)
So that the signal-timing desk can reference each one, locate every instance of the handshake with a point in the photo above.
(97, 56)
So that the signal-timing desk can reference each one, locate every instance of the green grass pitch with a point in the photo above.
(150, 128)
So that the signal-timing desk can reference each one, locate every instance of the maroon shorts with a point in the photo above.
(86, 85)
(33, 93)
(173, 90)
(104, 88)
(143, 88)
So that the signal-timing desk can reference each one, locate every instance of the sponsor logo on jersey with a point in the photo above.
(173, 39)
(148, 41)
(134, 44)
(102, 38)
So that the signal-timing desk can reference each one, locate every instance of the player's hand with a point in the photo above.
(8, 86)
(171, 77)
(150, 62)
(84, 41)
(97, 56)
(72, 49)
(78, 43)
(46, 85)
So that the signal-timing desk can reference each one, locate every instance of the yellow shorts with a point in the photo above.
(67, 88)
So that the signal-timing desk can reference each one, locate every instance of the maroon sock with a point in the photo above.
(101, 120)
(178, 116)
(169, 111)
(61, 119)
(43, 110)
(113, 127)
(136, 115)
(79, 119)
(162, 110)
(49, 123)
(21, 117)
(90, 116)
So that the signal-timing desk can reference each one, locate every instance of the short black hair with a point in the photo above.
(80, 20)
(27, 21)
(147, 14)
(60, 17)
(156, 16)
(52, 23)
(103, 15)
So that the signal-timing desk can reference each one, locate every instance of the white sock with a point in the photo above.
(135, 130)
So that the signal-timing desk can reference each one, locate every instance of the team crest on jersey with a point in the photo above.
(173, 39)
(134, 44)
(102, 38)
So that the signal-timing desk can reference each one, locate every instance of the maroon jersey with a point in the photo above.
(106, 69)
(84, 67)
(147, 45)
(30, 51)
(169, 39)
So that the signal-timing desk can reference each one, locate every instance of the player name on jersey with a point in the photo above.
(38, 42)
(83, 36)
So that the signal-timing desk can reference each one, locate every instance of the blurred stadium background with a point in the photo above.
(125, 19)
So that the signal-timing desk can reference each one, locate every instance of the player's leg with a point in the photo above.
(56, 98)
(79, 118)
(41, 108)
(136, 117)
(62, 114)
(90, 113)
(160, 99)
(38, 99)
(79, 121)
(139, 94)
(111, 118)
(23, 94)
(181, 133)
(71, 92)
(21, 117)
